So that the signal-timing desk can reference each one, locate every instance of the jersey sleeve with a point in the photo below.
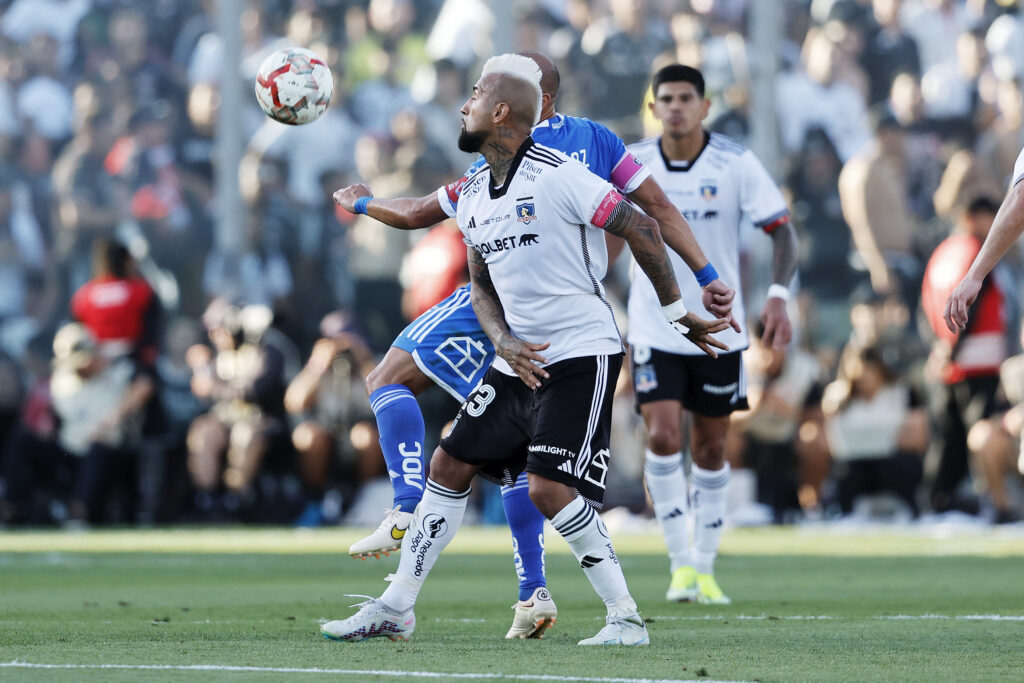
(579, 196)
(448, 195)
(1018, 170)
(624, 170)
(760, 198)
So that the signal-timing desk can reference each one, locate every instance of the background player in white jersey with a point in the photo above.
(423, 353)
(532, 219)
(1008, 226)
(715, 183)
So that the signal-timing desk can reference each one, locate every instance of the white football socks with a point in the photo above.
(588, 538)
(666, 484)
(437, 518)
(709, 489)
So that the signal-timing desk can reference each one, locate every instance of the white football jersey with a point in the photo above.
(543, 251)
(725, 184)
(1018, 170)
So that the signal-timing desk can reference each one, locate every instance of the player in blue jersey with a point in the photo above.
(447, 347)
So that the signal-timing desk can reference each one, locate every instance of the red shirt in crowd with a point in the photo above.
(982, 347)
(113, 309)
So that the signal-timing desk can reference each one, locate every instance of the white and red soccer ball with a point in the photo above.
(294, 86)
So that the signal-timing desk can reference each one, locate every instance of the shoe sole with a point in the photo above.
(539, 627)
(339, 639)
(688, 596)
(366, 554)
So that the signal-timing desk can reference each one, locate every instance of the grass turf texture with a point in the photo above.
(256, 598)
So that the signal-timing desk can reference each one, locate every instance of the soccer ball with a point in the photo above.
(294, 86)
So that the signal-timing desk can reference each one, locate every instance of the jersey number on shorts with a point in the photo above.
(479, 401)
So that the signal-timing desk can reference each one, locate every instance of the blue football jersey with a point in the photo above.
(590, 143)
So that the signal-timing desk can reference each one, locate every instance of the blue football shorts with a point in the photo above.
(449, 346)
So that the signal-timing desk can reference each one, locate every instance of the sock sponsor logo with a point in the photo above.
(676, 512)
(589, 561)
(714, 525)
(416, 540)
(611, 553)
(518, 559)
(435, 525)
(412, 464)
(420, 557)
(602, 529)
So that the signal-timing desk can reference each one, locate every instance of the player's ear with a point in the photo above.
(501, 112)
(704, 108)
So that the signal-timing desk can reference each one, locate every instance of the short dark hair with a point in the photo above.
(674, 73)
(982, 204)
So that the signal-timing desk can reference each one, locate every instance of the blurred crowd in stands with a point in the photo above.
(150, 376)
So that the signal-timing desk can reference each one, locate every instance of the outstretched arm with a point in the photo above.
(402, 213)
(644, 239)
(777, 328)
(717, 296)
(1007, 227)
(521, 356)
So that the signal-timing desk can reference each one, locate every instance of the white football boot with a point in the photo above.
(533, 616)
(623, 626)
(373, 620)
(387, 537)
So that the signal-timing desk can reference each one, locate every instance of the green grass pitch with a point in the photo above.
(245, 605)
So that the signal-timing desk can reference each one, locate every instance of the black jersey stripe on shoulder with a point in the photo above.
(545, 160)
(551, 151)
(543, 153)
(724, 143)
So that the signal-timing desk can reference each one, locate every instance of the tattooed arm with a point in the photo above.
(520, 355)
(777, 328)
(644, 239)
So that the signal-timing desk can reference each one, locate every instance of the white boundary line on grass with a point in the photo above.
(825, 617)
(350, 672)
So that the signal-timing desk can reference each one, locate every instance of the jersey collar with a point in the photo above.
(548, 123)
(498, 192)
(675, 166)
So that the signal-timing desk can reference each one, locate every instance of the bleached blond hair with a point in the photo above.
(520, 67)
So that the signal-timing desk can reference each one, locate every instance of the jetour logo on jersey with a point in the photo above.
(526, 211)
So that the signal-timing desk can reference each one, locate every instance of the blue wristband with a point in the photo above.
(361, 203)
(706, 275)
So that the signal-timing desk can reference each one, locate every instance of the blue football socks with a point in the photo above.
(400, 424)
(527, 525)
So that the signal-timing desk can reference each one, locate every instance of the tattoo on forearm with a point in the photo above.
(784, 253)
(648, 249)
(484, 297)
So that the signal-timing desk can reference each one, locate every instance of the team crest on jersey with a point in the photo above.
(708, 191)
(527, 212)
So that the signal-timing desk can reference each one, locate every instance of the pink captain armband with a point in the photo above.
(605, 208)
(625, 171)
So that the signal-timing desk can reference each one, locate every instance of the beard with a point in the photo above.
(471, 142)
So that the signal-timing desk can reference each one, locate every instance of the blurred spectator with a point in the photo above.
(999, 146)
(815, 98)
(888, 50)
(242, 378)
(877, 431)
(337, 425)
(433, 269)
(90, 200)
(117, 306)
(621, 49)
(965, 366)
(874, 199)
(826, 276)
(995, 445)
(36, 475)
(779, 437)
(935, 26)
(44, 103)
(24, 19)
(101, 406)
(22, 247)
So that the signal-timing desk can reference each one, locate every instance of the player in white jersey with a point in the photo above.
(716, 184)
(532, 218)
(1008, 226)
